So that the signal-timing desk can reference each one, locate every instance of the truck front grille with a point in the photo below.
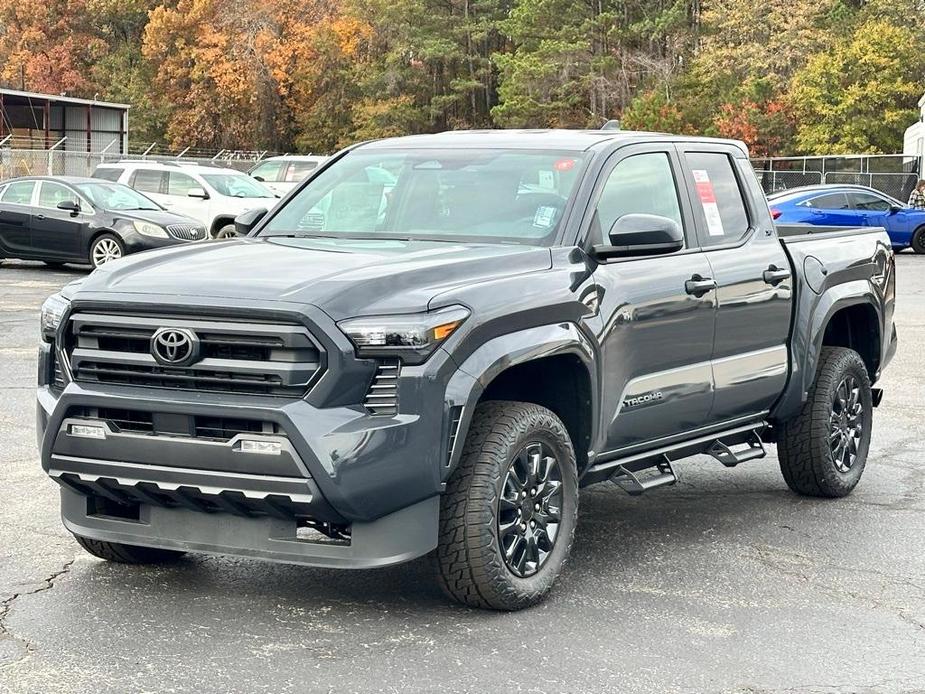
(165, 424)
(230, 356)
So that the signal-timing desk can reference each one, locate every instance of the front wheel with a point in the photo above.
(226, 232)
(508, 516)
(105, 248)
(918, 240)
(823, 450)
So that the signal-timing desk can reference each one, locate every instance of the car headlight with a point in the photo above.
(149, 229)
(412, 337)
(52, 311)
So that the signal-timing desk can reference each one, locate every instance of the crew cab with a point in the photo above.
(437, 364)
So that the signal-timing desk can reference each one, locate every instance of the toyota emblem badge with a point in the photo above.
(174, 346)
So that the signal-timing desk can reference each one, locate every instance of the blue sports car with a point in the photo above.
(856, 206)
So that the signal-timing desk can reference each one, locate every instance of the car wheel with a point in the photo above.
(127, 554)
(918, 240)
(508, 516)
(823, 450)
(105, 248)
(226, 232)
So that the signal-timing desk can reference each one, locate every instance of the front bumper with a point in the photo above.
(375, 478)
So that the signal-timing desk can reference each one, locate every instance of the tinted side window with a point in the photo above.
(268, 171)
(719, 196)
(180, 183)
(147, 180)
(108, 174)
(868, 202)
(640, 184)
(19, 193)
(299, 170)
(832, 201)
(50, 194)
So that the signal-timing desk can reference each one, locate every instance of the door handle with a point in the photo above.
(698, 286)
(40, 216)
(775, 275)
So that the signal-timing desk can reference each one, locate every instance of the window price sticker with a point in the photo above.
(708, 201)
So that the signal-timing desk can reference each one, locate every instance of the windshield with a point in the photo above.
(115, 196)
(238, 185)
(496, 195)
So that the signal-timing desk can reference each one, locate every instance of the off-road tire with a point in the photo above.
(470, 565)
(806, 458)
(918, 240)
(127, 554)
(226, 232)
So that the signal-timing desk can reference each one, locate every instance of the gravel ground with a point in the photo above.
(725, 582)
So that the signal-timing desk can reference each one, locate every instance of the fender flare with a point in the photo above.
(807, 340)
(501, 353)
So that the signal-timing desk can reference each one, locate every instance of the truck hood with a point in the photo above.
(343, 277)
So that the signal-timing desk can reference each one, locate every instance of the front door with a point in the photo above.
(15, 212)
(657, 324)
(754, 282)
(59, 234)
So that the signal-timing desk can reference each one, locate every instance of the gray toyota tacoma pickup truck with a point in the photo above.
(434, 342)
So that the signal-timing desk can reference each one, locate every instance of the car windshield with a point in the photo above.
(495, 196)
(115, 196)
(238, 185)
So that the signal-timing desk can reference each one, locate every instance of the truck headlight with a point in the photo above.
(52, 311)
(413, 337)
(152, 230)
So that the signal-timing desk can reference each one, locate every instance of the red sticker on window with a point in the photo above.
(564, 165)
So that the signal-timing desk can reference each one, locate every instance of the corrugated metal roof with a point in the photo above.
(63, 99)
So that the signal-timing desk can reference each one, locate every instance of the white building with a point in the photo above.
(914, 139)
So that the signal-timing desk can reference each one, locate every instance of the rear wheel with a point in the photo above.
(508, 517)
(105, 248)
(823, 450)
(127, 554)
(918, 240)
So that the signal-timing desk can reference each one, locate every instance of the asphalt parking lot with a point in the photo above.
(725, 582)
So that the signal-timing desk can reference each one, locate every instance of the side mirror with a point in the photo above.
(69, 206)
(642, 234)
(245, 222)
(895, 208)
(259, 178)
(197, 193)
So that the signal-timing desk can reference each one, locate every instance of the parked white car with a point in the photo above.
(282, 174)
(212, 195)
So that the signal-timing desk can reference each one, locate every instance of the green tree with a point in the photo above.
(860, 96)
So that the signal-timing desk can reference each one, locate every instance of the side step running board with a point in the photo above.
(730, 458)
(634, 485)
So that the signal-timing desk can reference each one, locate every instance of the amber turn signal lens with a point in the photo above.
(441, 332)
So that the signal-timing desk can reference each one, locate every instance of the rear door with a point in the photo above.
(15, 216)
(60, 233)
(151, 182)
(657, 337)
(754, 283)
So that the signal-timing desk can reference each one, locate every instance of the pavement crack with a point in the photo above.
(47, 583)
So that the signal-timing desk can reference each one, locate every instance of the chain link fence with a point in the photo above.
(38, 162)
(893, 174)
